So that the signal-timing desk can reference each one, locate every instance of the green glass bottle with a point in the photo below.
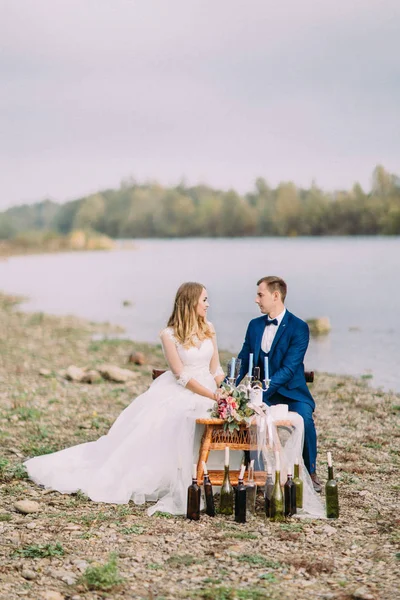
(269, 488)
(277, 499)
(226, 497)
(299, 485)
(251, 488)
(331, 493)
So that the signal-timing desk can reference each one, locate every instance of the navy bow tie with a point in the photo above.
(272, 322)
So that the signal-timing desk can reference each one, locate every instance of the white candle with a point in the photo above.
(266, 369)
(242, 470)
(329, 459)
(227, 456)
(205, 468)
(277, 462)
(232, 368)
(194, 474)
(250, 365)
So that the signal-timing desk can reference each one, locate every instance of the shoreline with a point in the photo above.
(42, 413)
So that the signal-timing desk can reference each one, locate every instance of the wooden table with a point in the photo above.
(215, 438)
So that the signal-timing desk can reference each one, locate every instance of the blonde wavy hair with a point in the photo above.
(184, 320)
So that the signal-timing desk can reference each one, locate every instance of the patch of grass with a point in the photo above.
(211, 580)
(291, 527)
(164, 515)
(257, 560)
(33, 449)
(232, 593)
(135, 529)
(270, 577)
(8, 472)
(374, 445)
(182, 560)
(154, 566)
(40, 551)
(5, 517)
(102, 577)
(27, 413)
(240, 535)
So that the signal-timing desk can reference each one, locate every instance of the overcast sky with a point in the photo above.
(215, 91)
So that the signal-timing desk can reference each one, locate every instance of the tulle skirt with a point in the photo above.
(147, 455)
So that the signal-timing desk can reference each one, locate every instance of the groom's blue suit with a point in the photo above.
(286, 372)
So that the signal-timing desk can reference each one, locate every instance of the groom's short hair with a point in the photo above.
(273, 284)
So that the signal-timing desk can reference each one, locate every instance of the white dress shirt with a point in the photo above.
(270, 331)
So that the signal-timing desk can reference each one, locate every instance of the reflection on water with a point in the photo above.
(353, 281)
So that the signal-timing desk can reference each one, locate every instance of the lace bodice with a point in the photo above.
(187, 363)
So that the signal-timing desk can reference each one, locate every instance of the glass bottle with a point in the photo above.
(269, 487)
(226, 497)
(208, 493)
(251, 488)
(331, 493)
(240, 498)
(193, 498)
(277, 501)
(289, 491)
(299, 485)
(256, 392)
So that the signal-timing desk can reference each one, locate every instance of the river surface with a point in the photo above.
(353, 281)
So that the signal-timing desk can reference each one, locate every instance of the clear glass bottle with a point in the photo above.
(269, 487)
(251, 488)
(277, 500)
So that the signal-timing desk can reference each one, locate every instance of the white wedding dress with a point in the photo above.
(148, 453)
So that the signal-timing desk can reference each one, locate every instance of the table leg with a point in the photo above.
(204, 451)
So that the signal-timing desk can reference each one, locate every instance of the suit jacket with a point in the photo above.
(286, 356)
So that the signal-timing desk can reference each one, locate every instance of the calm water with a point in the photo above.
(353, 281)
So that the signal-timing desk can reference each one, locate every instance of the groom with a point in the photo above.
(283, 338)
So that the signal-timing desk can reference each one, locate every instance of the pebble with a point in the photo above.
(362, 594)
(329, 530)
(27, 506)
(31, 525)
(52, 595)
(28, 574)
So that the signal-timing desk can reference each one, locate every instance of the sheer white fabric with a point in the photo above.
(149, 451)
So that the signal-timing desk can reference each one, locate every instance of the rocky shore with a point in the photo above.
(56, 547)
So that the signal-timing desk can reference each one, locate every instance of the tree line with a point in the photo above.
(151, 210)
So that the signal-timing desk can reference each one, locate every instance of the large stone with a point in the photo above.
(91, 376)
(26, 506)
(75, 373)
(137, 358)
(319, 326)
(113, 373)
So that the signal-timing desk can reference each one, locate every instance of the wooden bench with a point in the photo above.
(216, 438)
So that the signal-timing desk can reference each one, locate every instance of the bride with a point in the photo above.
(148, 453)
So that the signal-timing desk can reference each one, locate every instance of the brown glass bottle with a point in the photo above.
(193, 498)
(208, 493)
(240, 498)
(289, 491)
